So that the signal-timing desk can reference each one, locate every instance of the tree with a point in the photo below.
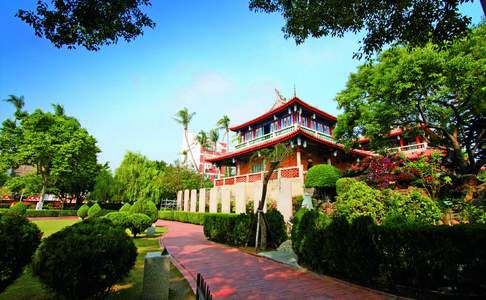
(437, 94)
(103, 189)
(183, 117)
(27, 185)
(224, 123)
(411, 22)
(274, 156)
(87, 23)
(203, 139)
(214, 138)
(60, 149)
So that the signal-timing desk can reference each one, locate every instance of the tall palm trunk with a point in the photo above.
(190, 150)
(227, 140)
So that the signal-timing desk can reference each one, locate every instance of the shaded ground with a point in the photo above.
(28, 287)
(231, 273)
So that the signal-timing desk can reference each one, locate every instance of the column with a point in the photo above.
(202, 200)
(213, 200)
(193, 200)
(186, 200)
(284, 200)
(225, 200)
(240, 198)
(179, 200)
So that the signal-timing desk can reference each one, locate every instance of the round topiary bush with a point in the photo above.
(323, 179)
(18, 209)
(146, 207)
(118, 219)
(94, 211)
(138, 223)
(361, 200)
(125, 208)
(343, 184)
(277, 232)
(18, 240)
(84, 260)
(83, 211)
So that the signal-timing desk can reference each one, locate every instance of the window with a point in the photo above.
(258, 167)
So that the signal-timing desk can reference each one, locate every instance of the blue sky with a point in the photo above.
(213, 57)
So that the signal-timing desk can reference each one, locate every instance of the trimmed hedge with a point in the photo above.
(84, 260)
(83, 211)
(19, 209)
(417, 258)
(239, 230)
(18, 240)
(33, 213)
(182, 216)
(146, 207)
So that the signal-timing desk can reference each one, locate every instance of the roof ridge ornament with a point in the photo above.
(280, 100)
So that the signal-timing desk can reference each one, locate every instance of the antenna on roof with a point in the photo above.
(295, 92)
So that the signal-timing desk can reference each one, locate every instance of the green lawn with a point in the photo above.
(28, 287)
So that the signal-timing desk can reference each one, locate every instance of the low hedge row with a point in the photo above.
(240, 229)
(182, 216)
(416, 258)
(33, 213)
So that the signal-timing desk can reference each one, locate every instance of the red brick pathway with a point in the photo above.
(231, 273)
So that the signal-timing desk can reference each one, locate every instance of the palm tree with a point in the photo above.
(202, 139)
(183, 117)
(58, 109)
(214, 137)
(224, 123)
(19, 103)
(275, 156)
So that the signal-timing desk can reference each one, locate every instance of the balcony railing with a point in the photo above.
(280, 132)
(409, 148)
(291, 172)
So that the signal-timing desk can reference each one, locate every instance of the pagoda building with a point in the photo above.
(306, 128)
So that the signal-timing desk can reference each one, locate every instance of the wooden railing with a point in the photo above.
(291, 172)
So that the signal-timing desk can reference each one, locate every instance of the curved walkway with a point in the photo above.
(231, 273)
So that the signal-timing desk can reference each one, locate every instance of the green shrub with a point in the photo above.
(322, 176)
(240, 229)
(84, 260)
(360, 200)
(410, 208)
(118, 218)
(19, 209)
(83, 211)
(125, 208)
(146, 207)
(138, 223)
(18, 240)
(419, 256)
(343, 184)
(297, 203)
(182, 216)
(95, 211)
(46, 212)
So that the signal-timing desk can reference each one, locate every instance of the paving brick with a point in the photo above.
(233, 274)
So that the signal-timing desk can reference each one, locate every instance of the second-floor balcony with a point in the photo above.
(280, 132)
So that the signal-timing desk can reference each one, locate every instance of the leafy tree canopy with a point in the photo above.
(411, 22)
(439, 94)
(87, 23)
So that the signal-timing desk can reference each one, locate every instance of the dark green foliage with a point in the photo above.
(138, 222)
(19, 209)
(46, 212)
(125, 208)
(382, 22)
(119, 218)
(146, 207)
(422, 257)
(95, 211)
(239, 230)
(343, 184)
(18, 240)
(322, 176)
(83, 211)
(182, 216)
(87, 23)
(84, 260)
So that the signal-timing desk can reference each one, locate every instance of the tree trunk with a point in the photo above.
(40, 204)
(483, 5)
(227, 141)
(261, 227)
(190, 151)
